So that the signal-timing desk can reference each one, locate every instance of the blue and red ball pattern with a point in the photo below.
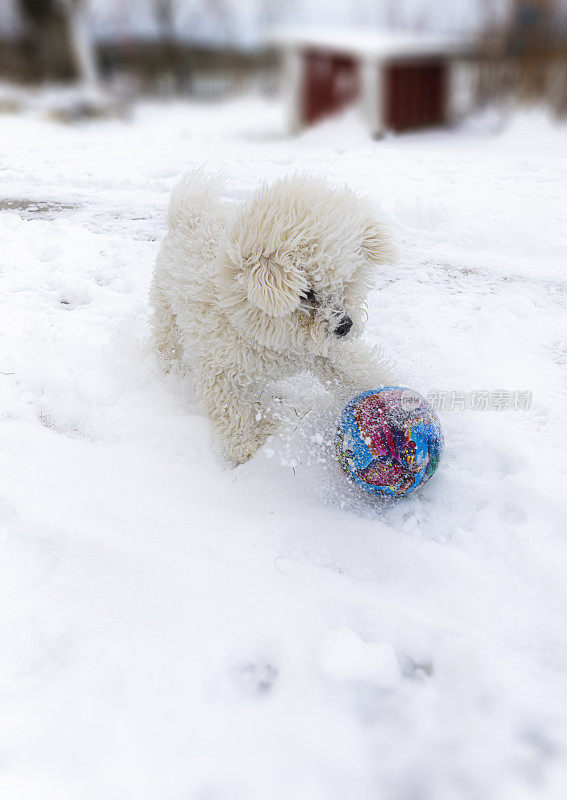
(389, 441)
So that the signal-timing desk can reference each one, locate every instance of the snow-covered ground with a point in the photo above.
(170, 629)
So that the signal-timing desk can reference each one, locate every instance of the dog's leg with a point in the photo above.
(241, 423)
(353, 368)
(165, 331)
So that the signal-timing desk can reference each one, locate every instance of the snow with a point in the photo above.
(345, 657)
(380, 44)
(173, 629)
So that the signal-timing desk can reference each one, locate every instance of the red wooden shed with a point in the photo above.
(401, 81)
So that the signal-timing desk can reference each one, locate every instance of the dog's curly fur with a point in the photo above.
(244, 295)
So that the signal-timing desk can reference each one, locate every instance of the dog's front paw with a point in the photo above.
(357, 368)
(240, 448)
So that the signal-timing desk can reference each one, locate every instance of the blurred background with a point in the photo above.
(406, 64)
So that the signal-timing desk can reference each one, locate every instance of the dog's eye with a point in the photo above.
(309, 298)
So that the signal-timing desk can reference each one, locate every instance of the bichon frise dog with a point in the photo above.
(244, 295)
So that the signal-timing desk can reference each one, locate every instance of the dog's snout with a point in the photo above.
(344, 326)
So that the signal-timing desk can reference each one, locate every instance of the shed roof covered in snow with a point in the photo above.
(381, 45)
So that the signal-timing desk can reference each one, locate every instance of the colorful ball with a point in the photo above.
(389, 441)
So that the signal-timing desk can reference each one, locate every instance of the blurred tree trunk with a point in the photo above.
(59, 39)
(81, 42)
(178, 69)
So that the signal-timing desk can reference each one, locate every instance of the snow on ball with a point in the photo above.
(389, 441)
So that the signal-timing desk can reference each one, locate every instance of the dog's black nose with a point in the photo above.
(344, 326)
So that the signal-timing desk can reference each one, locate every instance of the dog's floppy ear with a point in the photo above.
(273, 288)
(376, 245)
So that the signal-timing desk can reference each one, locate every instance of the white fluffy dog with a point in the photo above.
(244, 295)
